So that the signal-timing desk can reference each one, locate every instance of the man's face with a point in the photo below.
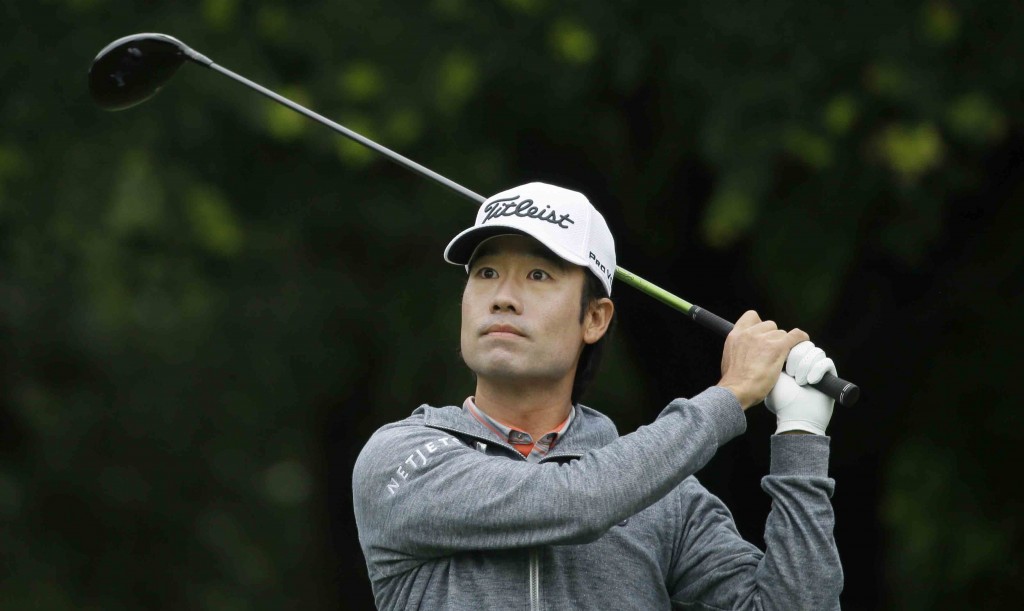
(521, 313)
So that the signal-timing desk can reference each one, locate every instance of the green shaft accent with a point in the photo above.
(653, 290)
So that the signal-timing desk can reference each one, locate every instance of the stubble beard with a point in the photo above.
(515, 370)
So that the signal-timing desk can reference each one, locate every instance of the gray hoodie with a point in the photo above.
(450, 517)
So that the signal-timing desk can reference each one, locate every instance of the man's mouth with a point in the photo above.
(503, 330)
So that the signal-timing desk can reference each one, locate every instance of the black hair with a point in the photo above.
(590, 358)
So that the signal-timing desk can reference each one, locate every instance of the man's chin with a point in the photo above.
(505, 367)
(500, 371)
(505, 370)
(526, 376)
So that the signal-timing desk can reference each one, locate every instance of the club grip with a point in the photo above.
(711, 321)
(845, 393)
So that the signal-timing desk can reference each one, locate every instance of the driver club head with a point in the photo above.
(132, 69)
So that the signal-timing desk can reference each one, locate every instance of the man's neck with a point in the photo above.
(534, 409)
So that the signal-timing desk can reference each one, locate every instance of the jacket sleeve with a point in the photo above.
(419, 493)
(715, 568)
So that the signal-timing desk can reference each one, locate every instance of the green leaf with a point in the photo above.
(812, 149)
(840, 114)
(219, 14)
(351, 152)
(459, 77)
(526, 7)
(362, 81)
(911, 151)
(975, 118)
(213, 223)
(940, 21)
(284, 123)
(729, 215)
(137, 206)
(572, 42)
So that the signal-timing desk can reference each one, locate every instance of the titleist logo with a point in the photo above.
(526, 208)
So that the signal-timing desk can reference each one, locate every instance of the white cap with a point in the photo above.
(562, 220)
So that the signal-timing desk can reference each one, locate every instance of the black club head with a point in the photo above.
(132, 69)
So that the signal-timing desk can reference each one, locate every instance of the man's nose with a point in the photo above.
(506, 298)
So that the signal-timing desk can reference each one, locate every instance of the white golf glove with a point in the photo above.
(798, 407)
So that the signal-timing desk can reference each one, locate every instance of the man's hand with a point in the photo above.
(799, 408)
(753, 357)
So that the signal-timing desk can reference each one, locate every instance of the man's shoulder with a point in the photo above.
(424, 422)
(424, 416)
(426, 426)
(596, 420)
(589, 429)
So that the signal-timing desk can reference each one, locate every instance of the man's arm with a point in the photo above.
(421, 493)
(800, 568)
(417, 495)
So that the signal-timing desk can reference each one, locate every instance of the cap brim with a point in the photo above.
(460, 250)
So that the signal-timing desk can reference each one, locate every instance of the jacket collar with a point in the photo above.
(589, 428)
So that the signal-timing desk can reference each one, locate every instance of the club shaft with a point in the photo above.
(351, 135)
(621, 274)
(846, 393)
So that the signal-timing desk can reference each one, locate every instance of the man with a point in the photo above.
(524, 499)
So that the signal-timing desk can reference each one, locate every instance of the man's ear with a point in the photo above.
(596, 320)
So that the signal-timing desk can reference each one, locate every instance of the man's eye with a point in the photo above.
(539, 274)
(487, 272)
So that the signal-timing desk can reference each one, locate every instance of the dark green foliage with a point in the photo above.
(207, 303)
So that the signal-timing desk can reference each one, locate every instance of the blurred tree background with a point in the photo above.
(208, 304)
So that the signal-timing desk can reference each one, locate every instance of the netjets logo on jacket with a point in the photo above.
(510, 206)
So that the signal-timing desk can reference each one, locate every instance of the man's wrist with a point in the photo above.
(801, 426)
(806, 455)
(744, 401)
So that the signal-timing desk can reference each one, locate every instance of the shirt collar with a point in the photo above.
(515, 436)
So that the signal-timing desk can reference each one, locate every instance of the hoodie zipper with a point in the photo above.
(534, 580)
(534, 568)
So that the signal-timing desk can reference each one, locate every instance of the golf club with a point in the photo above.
(132, 69)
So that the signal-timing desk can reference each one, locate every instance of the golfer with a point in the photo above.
(522, 498)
